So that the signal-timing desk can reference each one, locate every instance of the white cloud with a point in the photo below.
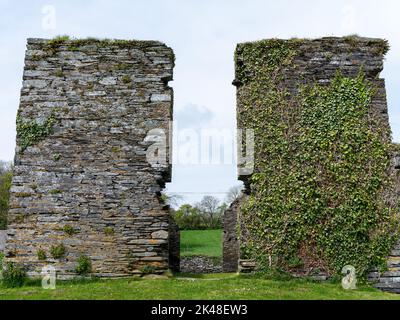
(348, 19)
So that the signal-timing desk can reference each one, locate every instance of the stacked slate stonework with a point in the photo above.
(82, 184)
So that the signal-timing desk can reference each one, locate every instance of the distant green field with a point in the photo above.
(201, 243)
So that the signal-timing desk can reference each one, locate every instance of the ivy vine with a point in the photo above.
(31, 132)
(321, 191)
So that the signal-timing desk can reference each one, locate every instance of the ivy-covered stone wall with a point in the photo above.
(82, 188)
(324, 189)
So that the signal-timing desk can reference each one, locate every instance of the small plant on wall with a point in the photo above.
(147, 269)
(69, 230)
(57, 251)
(84, 265)
(109, 231)
(41, 254)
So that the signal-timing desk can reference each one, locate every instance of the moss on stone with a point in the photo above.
(126, 79)
(73, 44)
(69, 230)
(109, 231)
(55, 191)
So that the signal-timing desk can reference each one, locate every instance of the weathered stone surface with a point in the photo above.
(246, 266)
(390, 279)
(174, 246)
(161, 234)
(230, 249)
(91, 173)
(198, 264)
(3, 238)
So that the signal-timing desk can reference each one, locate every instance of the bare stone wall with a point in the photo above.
(230, 245)
(390, 279)
(174, 246)
(83, 181)
(3, 238)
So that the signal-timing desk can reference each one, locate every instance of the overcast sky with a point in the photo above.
(203, 35)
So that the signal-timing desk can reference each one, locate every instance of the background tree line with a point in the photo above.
(206, 214)
(5, 184)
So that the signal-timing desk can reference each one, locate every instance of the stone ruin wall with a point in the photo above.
(318, 60)
(230, 238)
(89, 173)
(84, 181)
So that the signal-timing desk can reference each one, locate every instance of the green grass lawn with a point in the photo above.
(222, 286)
(201, 243)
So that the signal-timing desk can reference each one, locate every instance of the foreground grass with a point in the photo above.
(193, 287)
(201, 243)
(209, 287)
